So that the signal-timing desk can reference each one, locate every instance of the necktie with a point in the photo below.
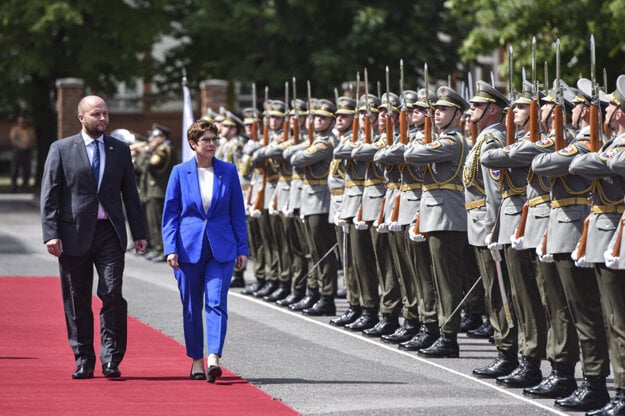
(95, 162)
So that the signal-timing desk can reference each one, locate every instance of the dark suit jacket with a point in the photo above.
(185, 222)
(69, 194)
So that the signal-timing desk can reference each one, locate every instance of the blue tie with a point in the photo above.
(95, 163)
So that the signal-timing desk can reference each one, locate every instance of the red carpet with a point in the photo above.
(36, 363)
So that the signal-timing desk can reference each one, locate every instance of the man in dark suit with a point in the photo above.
(86, 178)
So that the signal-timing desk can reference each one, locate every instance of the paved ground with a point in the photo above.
(311, 366)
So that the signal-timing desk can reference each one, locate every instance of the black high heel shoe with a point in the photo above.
(214, 371)
(196, 376)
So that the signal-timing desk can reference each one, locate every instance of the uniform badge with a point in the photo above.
(569, 150)
(608, 154)
(495, 174)
(450, 141)
(433, 145)
(545, 142)
(379, 144)
(311, 150)
(322, 146)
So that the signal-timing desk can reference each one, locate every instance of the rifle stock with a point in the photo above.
(595, 141)
(520, 231)
(368, 129)
(534, 130)
(427, 130)
(259, 202)
(355, 129)
(616, 250)
(403, 127)
(381, 214)
(510, 127)
(581, 247)
(558, 116)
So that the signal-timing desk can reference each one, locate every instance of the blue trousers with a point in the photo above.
(204, 285)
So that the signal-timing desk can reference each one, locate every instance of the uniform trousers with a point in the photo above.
(154, 220)
(270, 252)
(365, 282)
(406, 273)
(256, 247)
(321, 237)
(298, 240)
(426, 294)
(342, 237)
(390, 299)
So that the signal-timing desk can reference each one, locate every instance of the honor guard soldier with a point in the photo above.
(607, 208)
(524, 287)
(442, 219)
(315, 207)
(569, 208)
(155, 162)
(362, 284)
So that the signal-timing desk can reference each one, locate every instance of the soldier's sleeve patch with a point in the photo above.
(495, 174)
(449, 141)
(311, 150)
(569, 150)
(379, 144)
(433, 145)
(545, 142)
(608, 154)
(322, 146)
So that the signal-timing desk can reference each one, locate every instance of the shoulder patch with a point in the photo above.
(545, 142)
(311, 150)
(433, 145)
(569, 150)
(379, 144)
(495, 173)
(608, 154)
(449, 141)
(321, 146)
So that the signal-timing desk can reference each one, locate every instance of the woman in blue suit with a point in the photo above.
(204, 236)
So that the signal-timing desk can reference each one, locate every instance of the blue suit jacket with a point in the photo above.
(185, 223)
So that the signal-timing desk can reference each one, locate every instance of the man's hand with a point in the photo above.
(241, 262)
(141, 246)
(172, 260)
(55, 247)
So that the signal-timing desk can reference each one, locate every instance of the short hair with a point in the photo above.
(199, 127)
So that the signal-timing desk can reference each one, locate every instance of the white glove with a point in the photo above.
(496, 253)
(382, 228)
(255, 213)
(338, 221)
(272, 210)
(287, 212)
(361, 225)
(580, 261)
(247, 210)
(495, 248)
(610, 260)
(517, 243)
(417, 238)
(394, 227)
(545, 258)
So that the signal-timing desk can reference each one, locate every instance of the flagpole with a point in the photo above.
(187, 118)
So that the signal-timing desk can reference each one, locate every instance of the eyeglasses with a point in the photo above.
(207, 140)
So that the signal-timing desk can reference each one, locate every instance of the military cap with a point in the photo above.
(276, 108)
(314, 104)
(425, 99)
(210, 115)
(551, 95)
(488, 94)
(584, 91)
(390, 101)
(219, 118)
(374, 103)
(298, 107)
(409, 98)
(232, 120)
(250, 115)
(525, 97)
(450, 98)
(159, 130)
(324, 108)
(618, 95)
(346, 105)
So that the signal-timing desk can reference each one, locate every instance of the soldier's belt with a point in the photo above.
(411, 186)
(258, 170)
(315, 181)
(607, 209)
(448, 186)
(272, 178)
(566, 202)
(245, 187)
(393, 185)
(351, 184)
(478, 203)
(538, 200)
(296, 176)
(285, 178)
(510, 193)
(371, 182)
(339, 191)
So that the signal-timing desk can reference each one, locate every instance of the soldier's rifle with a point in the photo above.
(510, 127)
(403, 134)
(367, 130)
(356, 121)
(259, 203)
(388, 130)
(254, 137)
(296, 126)
(311, 121)
(558, 110)
(472, 126)
(606, 127)
(285, 124)
(534, 104)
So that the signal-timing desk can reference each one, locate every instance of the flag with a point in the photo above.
(187, 120)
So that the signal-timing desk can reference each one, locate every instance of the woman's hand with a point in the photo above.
(241, 262)
(172, 260)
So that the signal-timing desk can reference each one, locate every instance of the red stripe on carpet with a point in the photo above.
(36, 364)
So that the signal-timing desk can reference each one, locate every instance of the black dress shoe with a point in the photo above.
(402, 334)
(428, 334)
(110, 370)
(368, 319)
(82, 372)
(256, 286)
(525, 375)
(560, 383)
(386, 326)
(470, 321)
(483, 331)
(294, 297)
(197, 376)
(214, 372)
(283, 290)
(268, 287)
(351, 314)
(306, 302)
(323, 307)
(446, 346)
(591, 394)
(614, 408)
(503, 365)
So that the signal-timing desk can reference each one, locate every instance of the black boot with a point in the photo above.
(295, 296)
(428, 334)
(591, 394)
(386, 326)
(615, 408)
(237, 279)
(525, 375)
(257, 285)
(446, 346)
(560, 383)
(323, 307)
(280, 293)
(470, 321)
(368, 319)
(503, 365)
(485, 330)
(312, 296)
(351, 314)
(403, 334)
(270, 286)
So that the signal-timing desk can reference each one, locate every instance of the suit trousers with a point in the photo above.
(204, 287)
(77, 284)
